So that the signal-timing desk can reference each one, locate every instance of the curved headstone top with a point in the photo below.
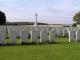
(2, 18)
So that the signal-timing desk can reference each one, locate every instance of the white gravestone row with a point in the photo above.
(70, 29)
(24, 27)
(12, 27)
(40, 28)
(18, 28)
(44, 37)
(74, 35)
(59, 30)
(24, 36)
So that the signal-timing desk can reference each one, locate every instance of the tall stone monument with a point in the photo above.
(35, 24)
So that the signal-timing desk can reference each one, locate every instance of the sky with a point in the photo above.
(49, 11)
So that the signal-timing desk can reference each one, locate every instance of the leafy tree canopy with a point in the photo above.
(2, 18)
(76, 18)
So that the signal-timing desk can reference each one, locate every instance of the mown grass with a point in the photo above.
(62, 50)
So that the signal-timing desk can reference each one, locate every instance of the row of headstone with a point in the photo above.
(67, 30)
(74, 36)
(24, 31)
(13, 32)
(59, 30)
(36, 36)
(40, 29)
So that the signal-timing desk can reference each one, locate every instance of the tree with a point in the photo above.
(2, 18)
(74, 25)
(76, 18)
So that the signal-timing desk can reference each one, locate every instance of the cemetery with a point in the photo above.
(39, 42)
(36, 34)
(32, 43)
(50, 38)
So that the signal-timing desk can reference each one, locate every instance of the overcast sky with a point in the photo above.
(49, 11)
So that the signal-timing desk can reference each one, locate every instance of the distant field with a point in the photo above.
(62, 50)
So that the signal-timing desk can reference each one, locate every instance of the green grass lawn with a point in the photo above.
(62, 50)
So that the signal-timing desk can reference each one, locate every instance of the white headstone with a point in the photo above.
(2, 36)
(12, 37)
(65, 32)
(52, 36)
(24, 36)
(72, 36)
(59, 31)
(77, 35)
(43, 37)
(34, 36)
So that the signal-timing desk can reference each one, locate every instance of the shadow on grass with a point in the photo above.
(23, 44)
(61, 42)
